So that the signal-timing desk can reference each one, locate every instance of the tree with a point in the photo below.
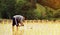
(57, 14)
(49, 13)
(55, 4)
(6, 7)
(25, 8)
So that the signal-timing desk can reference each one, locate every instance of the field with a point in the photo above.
(31, 28)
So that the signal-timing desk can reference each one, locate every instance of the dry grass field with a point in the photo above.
(31, 28)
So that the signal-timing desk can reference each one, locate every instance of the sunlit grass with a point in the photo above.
(44, 28)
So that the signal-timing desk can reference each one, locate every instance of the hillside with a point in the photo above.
(55, 4)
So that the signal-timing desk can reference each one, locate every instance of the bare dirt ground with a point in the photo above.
(41, 28)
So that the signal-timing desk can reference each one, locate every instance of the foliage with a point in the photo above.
(25, 8)
(9, 8)
(6, 7)
(55, 4)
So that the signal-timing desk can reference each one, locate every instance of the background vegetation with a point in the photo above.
(28, 8)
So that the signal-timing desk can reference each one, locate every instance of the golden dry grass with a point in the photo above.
(44, 28)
